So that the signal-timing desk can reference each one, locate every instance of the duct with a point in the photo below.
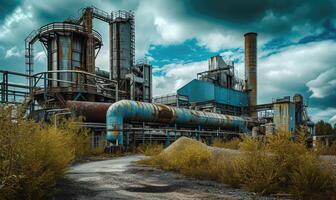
(150, 112)
(91, 111)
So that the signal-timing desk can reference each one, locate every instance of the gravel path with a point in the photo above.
(119, 178)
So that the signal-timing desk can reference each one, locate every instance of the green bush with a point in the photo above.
(34, 155)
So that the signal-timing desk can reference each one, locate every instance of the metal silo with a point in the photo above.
(121, 44)
(251, 67)
(66, 50)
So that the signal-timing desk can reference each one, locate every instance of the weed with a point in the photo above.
(323, 149)
(150, 149)
(228, 144)
(34, 155)
(273, 164)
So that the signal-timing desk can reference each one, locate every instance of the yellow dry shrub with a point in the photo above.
(323, 149)
(190, 159)
(33, 155)
(80, 139)
(280, 165)
(273, 164)
(228, 144)
(310, 180)
(150, 149)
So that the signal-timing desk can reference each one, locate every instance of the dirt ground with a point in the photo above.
(119, 178)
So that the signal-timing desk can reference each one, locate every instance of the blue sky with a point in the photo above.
(296, 41)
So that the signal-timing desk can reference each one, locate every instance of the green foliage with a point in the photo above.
(227, 144)
(324, 128)
(149, 149)
(273, 164)
(34, 155)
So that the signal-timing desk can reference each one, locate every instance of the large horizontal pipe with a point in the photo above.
(91, 111)
(159, 113)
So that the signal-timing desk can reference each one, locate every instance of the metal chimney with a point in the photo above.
(251, 68)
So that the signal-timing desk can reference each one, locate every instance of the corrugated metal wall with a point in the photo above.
(284, 116)
(202, 91)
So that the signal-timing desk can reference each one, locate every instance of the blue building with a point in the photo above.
(208, 96)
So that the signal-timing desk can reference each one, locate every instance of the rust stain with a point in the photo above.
(164, 113)
(115, 131)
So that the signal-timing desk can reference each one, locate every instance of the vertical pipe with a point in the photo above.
(90, 51)
(45, 87)
(111, 50)
(143, 133)
(251, 68)
(167, 138)
(127, 139)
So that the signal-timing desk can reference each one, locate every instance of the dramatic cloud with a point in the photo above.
(175, 76)
(329, 115)
(14, 22)
(290, 68)
(12, 52)
(324, 85)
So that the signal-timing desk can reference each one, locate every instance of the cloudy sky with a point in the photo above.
(296, 41)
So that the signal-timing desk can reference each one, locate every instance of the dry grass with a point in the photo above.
(34, 155)
(193, 157)
(150, 149)
(227, 144)
(322, 149)
(274, 164)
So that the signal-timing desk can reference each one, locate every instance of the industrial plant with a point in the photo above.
(118, 105)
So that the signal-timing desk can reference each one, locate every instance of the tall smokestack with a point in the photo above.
(251, 68)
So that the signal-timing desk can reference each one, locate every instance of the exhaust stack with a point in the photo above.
(251, 68)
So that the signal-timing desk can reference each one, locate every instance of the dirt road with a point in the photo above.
(119, 178)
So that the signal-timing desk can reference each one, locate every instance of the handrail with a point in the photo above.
(60, 26)
(76, 71)
(66, 26)
(102, 85)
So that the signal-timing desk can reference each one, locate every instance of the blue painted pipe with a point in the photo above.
(159, 113)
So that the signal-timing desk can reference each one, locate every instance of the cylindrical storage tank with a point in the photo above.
(66, 47)
(251, 68)
(298, 100)
(66, 53)
(102, 73)
(121, 44)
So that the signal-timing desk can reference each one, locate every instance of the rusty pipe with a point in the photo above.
(91, 111)
(159, 113)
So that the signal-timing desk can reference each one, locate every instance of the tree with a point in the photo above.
(324, 128)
